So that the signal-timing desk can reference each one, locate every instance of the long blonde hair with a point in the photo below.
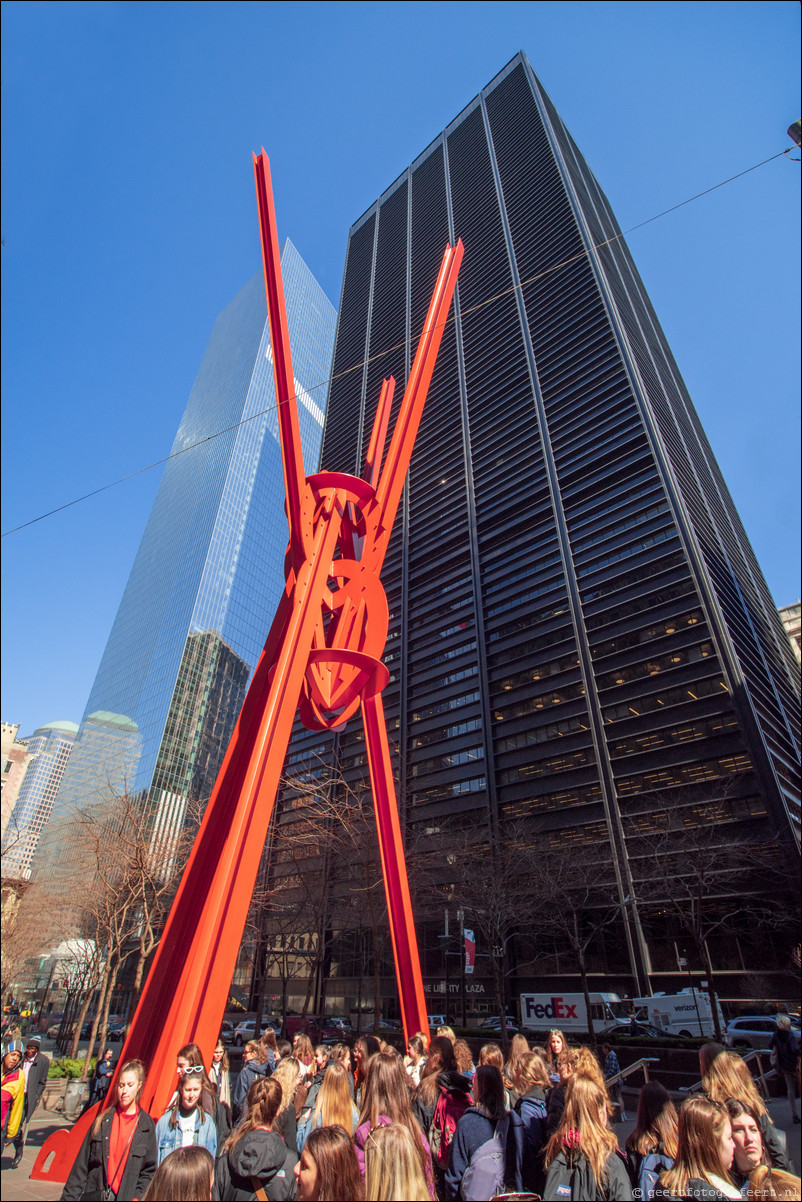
(582, 1132)
(519, 1046)
(773, 1184)
(728, 1077)
(586, 1064)
(333, 1107)
(532, 1072)
(288, 1073)
(701, 1123)
(392, 1166)
(386, 1095)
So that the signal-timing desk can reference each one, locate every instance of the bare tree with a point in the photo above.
(710, 882)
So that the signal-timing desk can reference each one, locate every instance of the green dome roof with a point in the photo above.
(69, 728)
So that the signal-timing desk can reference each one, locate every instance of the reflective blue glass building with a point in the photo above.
(209, 571)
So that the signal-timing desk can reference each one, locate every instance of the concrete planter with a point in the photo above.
(76, 1094)
(53, 1095)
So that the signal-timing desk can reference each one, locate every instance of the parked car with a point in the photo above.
(247, 1029)
(118, 1032)
(494, 1025)
(226, 1031)
(753, 1031)
(636, 1030)
(243, 1032)
(338, 1023)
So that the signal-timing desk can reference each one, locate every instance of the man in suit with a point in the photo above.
(35, 1066)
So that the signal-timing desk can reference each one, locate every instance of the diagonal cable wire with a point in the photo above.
(391, 349)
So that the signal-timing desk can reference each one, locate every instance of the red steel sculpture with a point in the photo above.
(322, 658)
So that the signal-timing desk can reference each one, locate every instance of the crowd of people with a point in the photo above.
(369, 1125)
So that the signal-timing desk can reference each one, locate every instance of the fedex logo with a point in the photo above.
(556, 1008)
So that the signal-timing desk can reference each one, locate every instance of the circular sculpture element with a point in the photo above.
(345, 662)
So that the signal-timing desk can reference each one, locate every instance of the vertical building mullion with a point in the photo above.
(638, 955)
(473, 535)
(403, 517)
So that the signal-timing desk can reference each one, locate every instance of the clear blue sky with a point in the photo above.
(129, 221)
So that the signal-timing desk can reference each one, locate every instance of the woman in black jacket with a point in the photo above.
(254, 1156)
(118, 1156)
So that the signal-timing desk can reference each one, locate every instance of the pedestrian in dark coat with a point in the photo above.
(35, 1066)
(478, 1125)
(254, 1157)
(784, 1048)
(119, 1152)
(101, 1080)
(252, 1068)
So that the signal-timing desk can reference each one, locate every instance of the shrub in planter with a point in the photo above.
(65, 1067)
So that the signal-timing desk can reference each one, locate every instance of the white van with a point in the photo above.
(568, 1012)
(686, 1013)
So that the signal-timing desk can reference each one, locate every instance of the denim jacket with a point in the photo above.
(169, 1138)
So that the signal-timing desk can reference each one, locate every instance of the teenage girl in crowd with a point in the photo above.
(555, 1103)
(478, 1125)
(189, 1058)
(386, 1100)
(288, 1074)
(586, 1064)
(119, 1153)
(342, 1054)
(518, 1048)
(185, 1122)
(303, 1051)
(254, 1157)
(328, 1169)
(440, 1060)
(416, 1058)
(187, 1174)
(554, 1048)
(652, 1146)
(269, 1046)
(704, 1154)
(728, 1077)
(365, 1048)
(582, 1160)
(392, 1167)
(532, 1086)
(748, 1141)
(333, 1107)
(219, 1073)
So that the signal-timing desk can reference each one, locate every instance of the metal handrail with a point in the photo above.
(756, 1052)
(632, 1068)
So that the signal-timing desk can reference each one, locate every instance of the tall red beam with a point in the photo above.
(323, 653)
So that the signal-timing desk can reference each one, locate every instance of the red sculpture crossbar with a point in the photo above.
(322, 658)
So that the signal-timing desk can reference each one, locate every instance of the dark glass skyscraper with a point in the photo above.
(580, 634)
(209, 571)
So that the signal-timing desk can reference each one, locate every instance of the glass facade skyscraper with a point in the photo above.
(209, 571)
(50, 748)
(581, 638)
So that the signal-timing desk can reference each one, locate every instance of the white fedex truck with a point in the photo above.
(686, 1013)
(540, 1011)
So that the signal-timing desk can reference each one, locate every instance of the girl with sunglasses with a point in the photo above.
(190, 1059)
(185, 1123)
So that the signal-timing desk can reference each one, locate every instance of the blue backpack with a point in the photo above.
(649, 1174)
(484, 1176)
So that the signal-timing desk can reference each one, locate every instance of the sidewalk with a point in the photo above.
(16, 1183)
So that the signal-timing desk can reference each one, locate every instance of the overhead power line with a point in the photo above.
(390, 349)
